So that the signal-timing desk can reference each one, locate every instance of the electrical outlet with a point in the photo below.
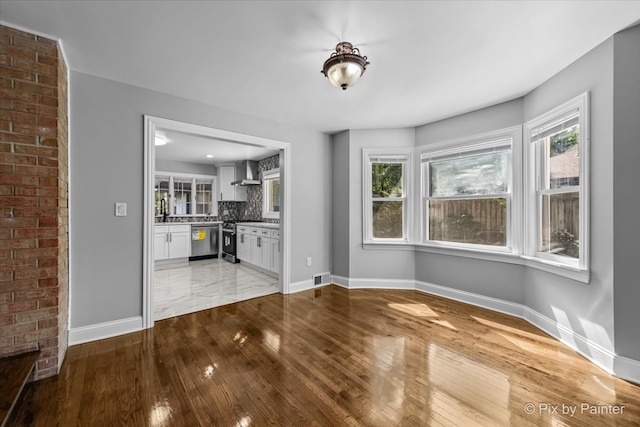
(308, 261)
(121, 209)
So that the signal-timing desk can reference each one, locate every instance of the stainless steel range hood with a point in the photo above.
(247, 173)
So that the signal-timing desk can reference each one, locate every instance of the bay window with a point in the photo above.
(386, 195)
(467, 193)
(556, 215)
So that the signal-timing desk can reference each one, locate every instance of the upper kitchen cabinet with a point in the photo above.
(227, 174)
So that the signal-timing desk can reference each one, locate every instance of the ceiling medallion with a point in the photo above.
(345, 66)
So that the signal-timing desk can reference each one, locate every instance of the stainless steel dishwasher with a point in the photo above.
(204, 241)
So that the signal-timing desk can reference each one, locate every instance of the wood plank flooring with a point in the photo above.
(332, 357)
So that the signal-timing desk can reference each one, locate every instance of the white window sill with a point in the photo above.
(495, 256)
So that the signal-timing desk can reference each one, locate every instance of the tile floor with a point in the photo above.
(204, 284)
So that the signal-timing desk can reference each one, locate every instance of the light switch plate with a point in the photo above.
(121, 209)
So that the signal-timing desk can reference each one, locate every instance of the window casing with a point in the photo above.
(387, 195)
(271, 193)
(467, 193)
(556, 215)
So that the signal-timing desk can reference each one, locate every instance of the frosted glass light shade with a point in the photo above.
(345, 66)
(344, 74)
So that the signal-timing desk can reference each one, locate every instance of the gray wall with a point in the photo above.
(626, 161)
(492, 279)
(373, 263)
(585, 308)
(106, 165)
(340, 206)
(185, 167)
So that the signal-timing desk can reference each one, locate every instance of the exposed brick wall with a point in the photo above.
(33, 198)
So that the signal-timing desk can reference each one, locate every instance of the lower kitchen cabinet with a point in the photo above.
(259, 247)
(275, 256)
(243, 246)
(171, 242)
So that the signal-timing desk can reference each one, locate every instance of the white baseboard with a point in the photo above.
(304, 285)
(490, 303)
(340, 281)
(591, 351)
(357, 283)
(104, 330)
(626, 368)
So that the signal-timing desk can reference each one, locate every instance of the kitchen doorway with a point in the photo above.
(157, 127)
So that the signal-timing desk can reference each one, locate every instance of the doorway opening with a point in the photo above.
(208, 210)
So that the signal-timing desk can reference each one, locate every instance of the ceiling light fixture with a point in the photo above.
(160, 140)
(209, 156)
(345, 66)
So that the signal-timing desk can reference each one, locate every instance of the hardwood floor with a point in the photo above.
(332, 357)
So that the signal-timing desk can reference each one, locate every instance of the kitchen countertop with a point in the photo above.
(259, 224)
(190, 223)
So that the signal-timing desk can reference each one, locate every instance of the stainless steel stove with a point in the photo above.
(229, 241)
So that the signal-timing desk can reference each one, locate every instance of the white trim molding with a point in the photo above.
(104, 330)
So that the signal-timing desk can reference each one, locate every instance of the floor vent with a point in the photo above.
(321, 279)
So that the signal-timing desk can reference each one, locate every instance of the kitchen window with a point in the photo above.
(387, 196)
(271, 193)
(557, 186)
(467, 193)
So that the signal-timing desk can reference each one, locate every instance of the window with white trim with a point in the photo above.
(557, 185)
(467, 193)
(271, 193)
(386, 195)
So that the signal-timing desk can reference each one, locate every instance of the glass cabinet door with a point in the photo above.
(204, 196)
(182, 196)
(161, 196)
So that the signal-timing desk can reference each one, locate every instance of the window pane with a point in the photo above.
(560, 224)
(479, 221)
(273, 195)
(387, 220)
(386, 179)
(477, 174)
(562, 159)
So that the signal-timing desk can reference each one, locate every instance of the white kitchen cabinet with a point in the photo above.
(265, 244)
(275, 251)
(243, 244)
(228, 192)
(256, 250)
(171, 242)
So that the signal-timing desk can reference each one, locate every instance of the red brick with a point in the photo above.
(25, 233)
(34, 170)
(6, 342)
(38, 293)
(18, 138)
(36, 315)
(18, 201)
(49, 142)
(19, 244)
(18, 96)
(18, 180)
(17, 307)
(48, 282)
(36, 252)
(47, 262)
(37, 192)
(6, 254)
(34, 130)
(8, 169)
(48, 100)
(46, 181)
(17, 33)
(48, 161)
(47, 80)
(16, 53)
(47, 222)
(40, 110)
(40, 68)
(17, 159)
(6, 297)
(14, 73)
(6, 320)
(30, 87)
(48, 121)
(5, 278)
(34, 46)
(48, 302)
(36, 150)
(18, 223)
(47, 41)
(5, 126)
(35, 335)
(49, 202)
(50, 362)
(14, 264)
(19, 328)
(24, 212)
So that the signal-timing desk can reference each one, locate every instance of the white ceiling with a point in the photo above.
(184, 147)
(429, 59)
